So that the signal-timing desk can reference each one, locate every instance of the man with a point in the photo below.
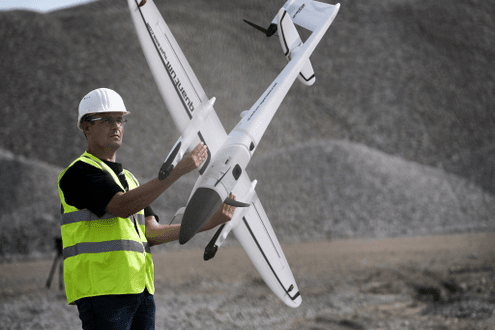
(108, 225)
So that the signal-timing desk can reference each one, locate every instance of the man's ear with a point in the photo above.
(85, 128)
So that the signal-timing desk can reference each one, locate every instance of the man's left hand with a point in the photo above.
(224, 214)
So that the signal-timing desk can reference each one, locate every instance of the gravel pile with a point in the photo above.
(395, 138)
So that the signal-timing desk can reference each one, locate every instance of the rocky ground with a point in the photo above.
(436, 282)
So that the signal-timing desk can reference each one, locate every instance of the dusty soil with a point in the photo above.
(438, 282)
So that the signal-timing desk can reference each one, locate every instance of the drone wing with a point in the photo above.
(194, 116)
(185, 99)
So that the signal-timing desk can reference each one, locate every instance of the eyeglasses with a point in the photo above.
(109, 121)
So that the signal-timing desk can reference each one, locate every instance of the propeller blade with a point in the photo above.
(167, 166)
(257, 27)
(233, 202)
(211, 249)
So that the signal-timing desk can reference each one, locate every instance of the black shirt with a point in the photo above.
(87, 187)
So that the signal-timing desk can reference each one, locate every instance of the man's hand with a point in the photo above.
(223, 215)
(193, 160)
(227, 210)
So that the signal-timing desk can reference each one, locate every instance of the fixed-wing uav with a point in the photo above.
(224, 170)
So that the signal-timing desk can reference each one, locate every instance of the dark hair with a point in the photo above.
(87, 118)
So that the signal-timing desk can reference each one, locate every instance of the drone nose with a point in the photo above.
(202, 206)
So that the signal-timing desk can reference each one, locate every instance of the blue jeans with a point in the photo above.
(122, 312)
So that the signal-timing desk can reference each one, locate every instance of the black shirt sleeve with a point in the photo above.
(148, 212)
(87, 187)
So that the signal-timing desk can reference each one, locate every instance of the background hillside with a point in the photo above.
(395, 138)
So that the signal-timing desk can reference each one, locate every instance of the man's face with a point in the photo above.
(105, 132)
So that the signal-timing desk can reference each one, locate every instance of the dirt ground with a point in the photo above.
(438, 282)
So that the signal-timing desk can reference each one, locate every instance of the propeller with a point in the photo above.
(233, 202)
(168, 166)
(272, 29)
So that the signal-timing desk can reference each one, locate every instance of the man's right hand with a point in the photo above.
(193, 160)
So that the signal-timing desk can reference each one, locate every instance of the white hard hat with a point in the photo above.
(100, 100)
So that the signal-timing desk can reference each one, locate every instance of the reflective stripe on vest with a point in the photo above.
(86, 215)
(109, 246)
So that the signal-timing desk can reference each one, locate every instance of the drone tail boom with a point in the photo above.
(309, 14)
(291, 42)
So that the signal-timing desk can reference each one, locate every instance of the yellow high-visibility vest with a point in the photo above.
(104, 255)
